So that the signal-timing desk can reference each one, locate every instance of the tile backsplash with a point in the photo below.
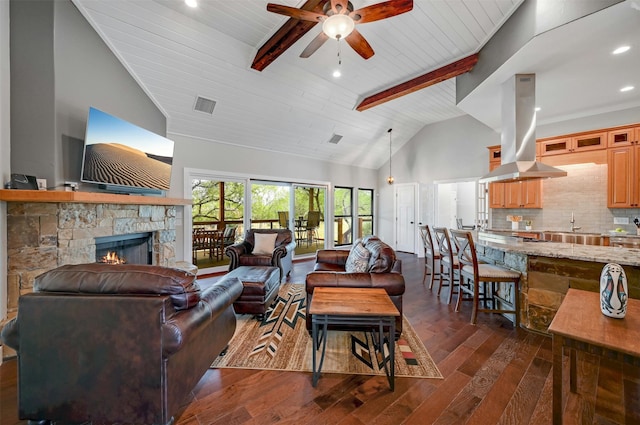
(582, 192)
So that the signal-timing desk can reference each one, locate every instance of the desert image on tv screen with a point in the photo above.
(120, 153)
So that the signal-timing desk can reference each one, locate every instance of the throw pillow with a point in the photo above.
(265, 243)
(358, 259)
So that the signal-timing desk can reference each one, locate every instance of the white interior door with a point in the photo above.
(405, 217)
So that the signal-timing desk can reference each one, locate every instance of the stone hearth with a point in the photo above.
(44, 235)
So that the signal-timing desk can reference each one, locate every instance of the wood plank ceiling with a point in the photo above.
(294, 106)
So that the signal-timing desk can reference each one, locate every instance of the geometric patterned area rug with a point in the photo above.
(281, 342)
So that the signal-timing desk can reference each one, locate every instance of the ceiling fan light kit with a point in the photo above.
(338, 26)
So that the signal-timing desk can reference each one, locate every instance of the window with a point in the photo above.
(343, 215)
(365, 213)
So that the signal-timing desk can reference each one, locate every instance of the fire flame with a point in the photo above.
(112, 258)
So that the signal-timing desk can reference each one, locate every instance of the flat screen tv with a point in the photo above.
(124, 158)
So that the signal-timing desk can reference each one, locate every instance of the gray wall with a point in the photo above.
(532, 18)
(5, 150)
(60, 67)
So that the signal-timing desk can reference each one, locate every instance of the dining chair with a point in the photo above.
(283, 219)
(313, 222)
(462, 226)
(449, 264)
(229, 236)
(431, 256)
(199, 242)
(483, 282)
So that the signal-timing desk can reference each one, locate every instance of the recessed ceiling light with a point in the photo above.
(621, 49)
(336, 73)
(627, 88)
(538, 108)
(191, 3)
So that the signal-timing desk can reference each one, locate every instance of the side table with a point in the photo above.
(579, 325)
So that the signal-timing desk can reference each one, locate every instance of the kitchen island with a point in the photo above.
(549, 269)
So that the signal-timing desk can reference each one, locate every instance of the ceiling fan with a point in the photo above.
(339, 21)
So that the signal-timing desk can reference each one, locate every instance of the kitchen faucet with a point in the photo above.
(573, 222)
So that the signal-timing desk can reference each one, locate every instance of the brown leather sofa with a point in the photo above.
(117, 343)
(384, 271)
(241, 254)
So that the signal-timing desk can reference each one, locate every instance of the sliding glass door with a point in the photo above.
(309, 218)
(217, 215)
(224, 206)
(268, 201)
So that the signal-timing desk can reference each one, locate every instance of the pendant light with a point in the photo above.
(390, 178)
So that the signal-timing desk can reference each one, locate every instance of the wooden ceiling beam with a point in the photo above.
(430, 78)
(285, 37)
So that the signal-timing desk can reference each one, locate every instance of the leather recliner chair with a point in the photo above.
(384, 271)
(117, 343)
(241, 254)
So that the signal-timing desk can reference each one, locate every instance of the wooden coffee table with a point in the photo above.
(358, 307)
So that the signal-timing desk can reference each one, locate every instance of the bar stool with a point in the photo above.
(431, 255)
(481, 281)
(449, 263)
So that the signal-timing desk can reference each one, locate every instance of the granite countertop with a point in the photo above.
(594, 253)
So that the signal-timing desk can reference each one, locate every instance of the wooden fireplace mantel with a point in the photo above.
(58, 196)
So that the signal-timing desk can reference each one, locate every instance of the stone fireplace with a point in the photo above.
(44, 235)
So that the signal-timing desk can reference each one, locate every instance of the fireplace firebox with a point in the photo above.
(132, 248)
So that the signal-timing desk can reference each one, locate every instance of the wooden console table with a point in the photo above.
(353, 307)
(579, 325)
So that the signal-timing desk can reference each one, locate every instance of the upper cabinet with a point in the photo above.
(495, 155)
(527, 194)
(624, 177)
(624, 137)
(579, 143)
(496, 189)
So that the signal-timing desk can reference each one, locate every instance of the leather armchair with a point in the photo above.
(384, 271)
(117, 343)
(241, 254)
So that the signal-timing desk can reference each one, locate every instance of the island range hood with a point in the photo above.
(518, 138)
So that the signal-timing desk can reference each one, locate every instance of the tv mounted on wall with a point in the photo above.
(124, 158)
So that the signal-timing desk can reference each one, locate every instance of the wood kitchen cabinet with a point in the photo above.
(496, 190)
(584, 142)
(525, 194)
(624, 177)
(624, 137)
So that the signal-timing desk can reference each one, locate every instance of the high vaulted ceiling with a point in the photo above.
(294, 105)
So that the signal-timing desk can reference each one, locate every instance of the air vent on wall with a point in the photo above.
(204, 105)
(335, 139)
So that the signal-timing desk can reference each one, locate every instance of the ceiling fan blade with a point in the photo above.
(303, 15)
(314, 45)
(359, 44)
(384, 10)
(339, 6)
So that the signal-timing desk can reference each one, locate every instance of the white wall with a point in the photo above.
(5, 148)
(449, 150)
(456, 149)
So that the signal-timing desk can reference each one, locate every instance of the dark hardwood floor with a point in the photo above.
(493, 374)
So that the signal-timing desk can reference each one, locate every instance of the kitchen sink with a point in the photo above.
(577, 238)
